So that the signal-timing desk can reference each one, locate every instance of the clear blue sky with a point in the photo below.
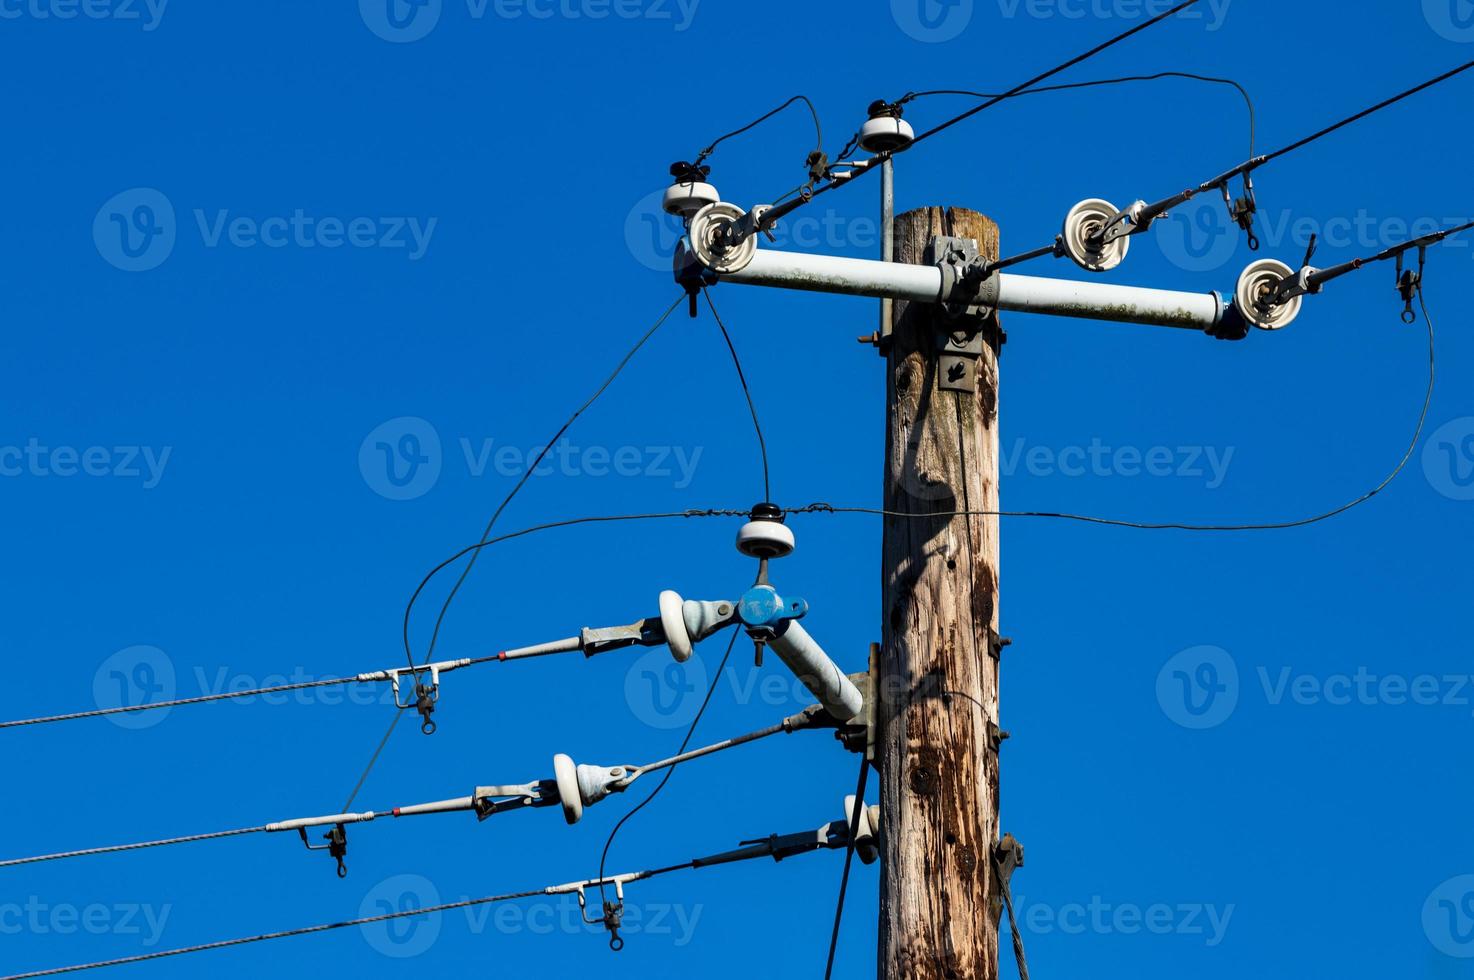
(336, 223)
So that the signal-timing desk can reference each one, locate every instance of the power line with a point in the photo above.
(372, 677)
(781, 211)
(489, 800)
(116, 848)
(1141, 216)
(830, 837)
(1248, 100)
(1364, 113)
(465, 572)
(762, 444)
(849, 857)
(487, 543)
(824, 508)
(527, 474)
(818, 130)
(671, 771)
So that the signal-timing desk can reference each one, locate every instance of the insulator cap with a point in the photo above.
(885, 131)
(690, 191)
(1256, 285)
(765, 536)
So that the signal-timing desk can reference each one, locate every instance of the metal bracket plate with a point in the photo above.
(961, 343)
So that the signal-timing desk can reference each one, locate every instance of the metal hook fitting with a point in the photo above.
(336, 846)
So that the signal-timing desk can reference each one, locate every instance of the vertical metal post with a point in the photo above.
(887, 239)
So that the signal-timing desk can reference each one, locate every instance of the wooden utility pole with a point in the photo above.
(937, 751)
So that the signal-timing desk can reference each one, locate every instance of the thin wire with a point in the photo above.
(780, 212)
(75, 715)
(202, 699)
(818, 130)
(476, 548)
(824, 508)
(435, 635)
(284, 934)
(1006, 889)
(691, 731)
(762, 443)
(909, 96)
(130, 847)
(465, 572)
(849, 857)
(1366, 112)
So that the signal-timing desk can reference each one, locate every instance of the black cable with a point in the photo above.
(849, 857)
(691, 731)
(205, 698)
(465, 572)
(476, 548)
(762, 443)
(773, 216)
(824, 508)
(1248, 101)
(435, 635)
(1364, 113)
(818, 130)
(284, 934)
(116, 848)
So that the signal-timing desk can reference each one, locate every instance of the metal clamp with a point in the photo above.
(972, 290)
(613, 917)
(1410, 283)
(336, 846)
(425, 696)
(488, 801)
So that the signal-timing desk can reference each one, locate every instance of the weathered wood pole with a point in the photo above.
(937, 755)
